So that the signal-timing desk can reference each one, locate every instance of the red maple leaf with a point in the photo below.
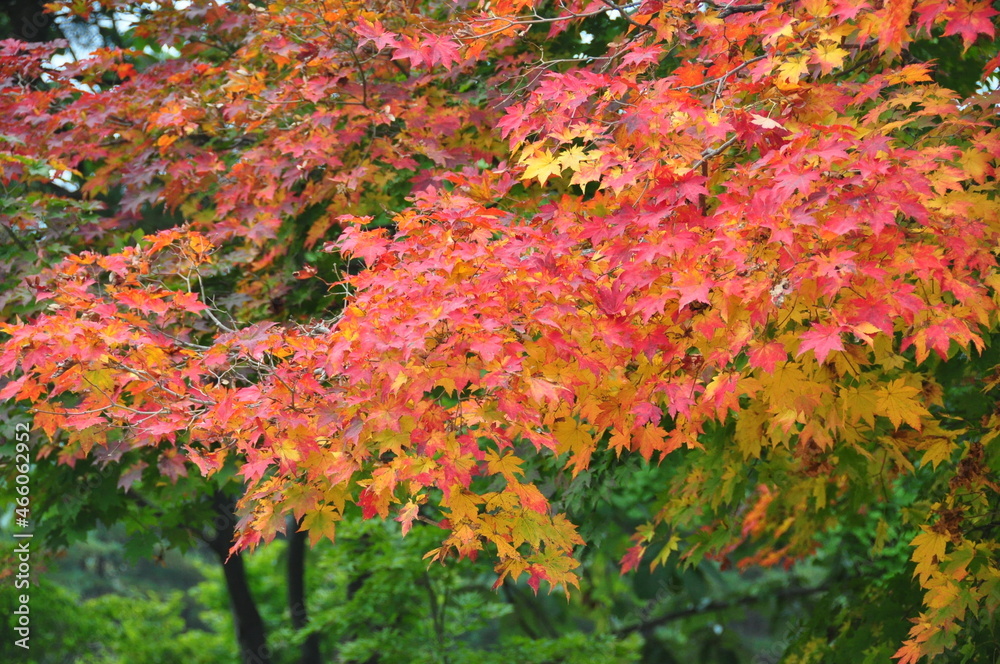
(822, 339)
(374, 33)
(970, 19)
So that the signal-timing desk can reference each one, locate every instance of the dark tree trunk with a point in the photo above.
(250, 633)
(297, 592)
(353, 587)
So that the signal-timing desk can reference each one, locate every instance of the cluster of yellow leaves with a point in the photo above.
(541, 164)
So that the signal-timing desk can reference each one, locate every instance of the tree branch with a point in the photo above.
(713, 607)
(729, 10)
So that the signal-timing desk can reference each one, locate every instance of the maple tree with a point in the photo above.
(752, 242)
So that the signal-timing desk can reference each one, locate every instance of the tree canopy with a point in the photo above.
(446, 262)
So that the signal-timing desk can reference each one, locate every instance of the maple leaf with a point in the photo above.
(188, 302)
(822, 339)
(254, 469)
(793, 69)
(892, 34)
(574, 437)
(970, 19)
(612, 300)
(828, 56)
(428, 49)
(764, 121)
(531, 498)
(692, 287)
(375, 33)
(506, 465)
(575, 157)
(928, 553)
(127, 479)
(406, 516)
(537, 574)
(541, 165)
(909, 653)
(367, 245)
(898, 402)
(642, 55)
(649, 439)
(320, 523)
(940, 449)
(13, 387)
(632, 558)
(862, 402)
(766, 356)
(441, 49)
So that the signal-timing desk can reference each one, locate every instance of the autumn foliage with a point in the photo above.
(743, 238)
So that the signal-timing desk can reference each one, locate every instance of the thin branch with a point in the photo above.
(15, 238)
(715, 606)
(208, 311)
(734, 70)
(712, 152)
(623, 12)
(729, 10)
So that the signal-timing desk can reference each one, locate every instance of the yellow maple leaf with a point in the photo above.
(572, 437)
(942, 594)
(896, 401)
(321, 523)
(829, 56)
(818, 8)
(502, 501)
(790, 71)
(860, 403)
(286, 450)
(462, 505)
(506, 465)
(673, 544)
(938, 450)
(575, 157)
(976, 163)
(101, 379)
(750, 431)
(541, 165)
(928, 553)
